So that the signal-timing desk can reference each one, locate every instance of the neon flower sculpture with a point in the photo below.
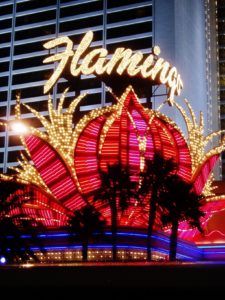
(66, 159)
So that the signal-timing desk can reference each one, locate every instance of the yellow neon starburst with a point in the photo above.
(198, 143)
(59, 132)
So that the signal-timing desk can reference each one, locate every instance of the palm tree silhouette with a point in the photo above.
(116, 190)
(152, 183)
(83, 223)
(179, 203)
(13, 246)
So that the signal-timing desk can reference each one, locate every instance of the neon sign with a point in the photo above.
(122, 61)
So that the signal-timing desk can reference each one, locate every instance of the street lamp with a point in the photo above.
(17, 126)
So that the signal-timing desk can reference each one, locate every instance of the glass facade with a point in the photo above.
(26, 25)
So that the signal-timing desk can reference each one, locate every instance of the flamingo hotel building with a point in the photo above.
(185, 31)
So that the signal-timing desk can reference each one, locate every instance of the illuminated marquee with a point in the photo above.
(71, 156)
(122, 61)
(67, 158)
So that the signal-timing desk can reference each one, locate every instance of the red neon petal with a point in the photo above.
(203, 174)
(41, 208)
(183, 154)
(86, 156)
(53, 170)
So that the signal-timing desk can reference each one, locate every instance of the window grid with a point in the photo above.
(31, 23)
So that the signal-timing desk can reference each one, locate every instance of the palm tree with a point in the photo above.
(116, 190)
(152, 183)
(179, 203)
(84, 222)
(13, 246)
(17, 235)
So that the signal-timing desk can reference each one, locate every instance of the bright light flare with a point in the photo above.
(2, 260)
(19, 127)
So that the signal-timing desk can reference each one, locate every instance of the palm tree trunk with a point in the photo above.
(151, 221)
(173, 241)
(85, 250)
(114, 231)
